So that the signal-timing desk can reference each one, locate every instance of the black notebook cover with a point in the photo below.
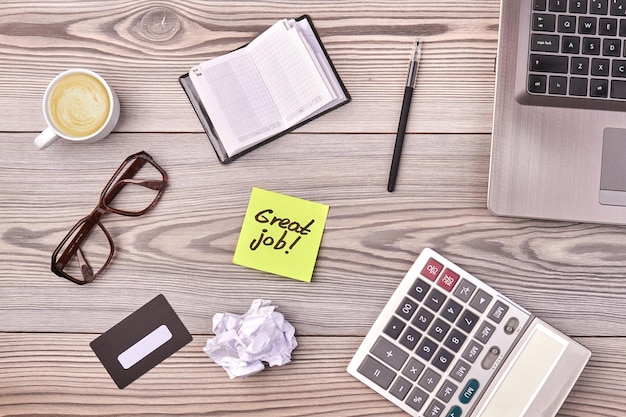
(205, 120)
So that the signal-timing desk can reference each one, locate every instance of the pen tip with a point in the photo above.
(417, 47)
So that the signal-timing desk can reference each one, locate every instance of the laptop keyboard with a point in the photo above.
(578, 49)
(439, 341)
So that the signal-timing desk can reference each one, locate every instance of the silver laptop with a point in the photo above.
(559, 133)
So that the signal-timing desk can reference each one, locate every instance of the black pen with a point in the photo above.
(404, 114)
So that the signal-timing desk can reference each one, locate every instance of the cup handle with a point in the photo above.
(46, 138)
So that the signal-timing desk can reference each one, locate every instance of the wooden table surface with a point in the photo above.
(571, 275)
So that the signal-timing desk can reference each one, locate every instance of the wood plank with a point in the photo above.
(184, 247)
(142, 48)
(55, 374)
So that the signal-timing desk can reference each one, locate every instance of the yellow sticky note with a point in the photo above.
(281, 234)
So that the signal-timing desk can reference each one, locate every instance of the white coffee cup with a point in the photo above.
(79, 106)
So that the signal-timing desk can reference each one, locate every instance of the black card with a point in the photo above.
(141, 341)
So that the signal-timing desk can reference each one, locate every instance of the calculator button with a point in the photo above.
(426, 349)
(432, 269)
(442, 360)
(423, 319)
(389, 353)
(413, 369)
(376, 372)
(419, 290)
(469, 391)
(406, 309)
(484, 332)
(439, 330)
(467, 321)
(455, 412)
(448, 280)
(410, 338)
(472, 351)
(400, 388)
(498, 311)
(394, 327)
(460, 370)
(446, 392)
(417, 399)
(455, 340)
(481, 300)
(464, 290)
(451, 310)
(429, 380)
(435, 300)
(435, 409)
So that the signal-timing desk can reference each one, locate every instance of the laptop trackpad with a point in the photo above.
(613, 175)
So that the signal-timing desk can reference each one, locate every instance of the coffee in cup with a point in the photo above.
(78, 106)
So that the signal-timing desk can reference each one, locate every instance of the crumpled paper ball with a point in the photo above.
(242, 343)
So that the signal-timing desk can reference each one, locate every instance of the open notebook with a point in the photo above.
(274, 84)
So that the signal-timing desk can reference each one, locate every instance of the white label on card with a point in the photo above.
(145, 346)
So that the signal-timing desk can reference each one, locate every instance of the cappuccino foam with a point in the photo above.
(78, 105)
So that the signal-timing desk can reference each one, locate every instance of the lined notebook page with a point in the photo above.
(237, 99)
(260, 90)
(290, 74)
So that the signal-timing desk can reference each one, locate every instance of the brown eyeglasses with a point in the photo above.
(133, 190)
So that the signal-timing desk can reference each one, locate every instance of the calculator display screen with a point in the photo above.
(526, 374)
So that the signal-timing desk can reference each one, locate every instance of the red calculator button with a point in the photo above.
(448, 280)
(432, 269)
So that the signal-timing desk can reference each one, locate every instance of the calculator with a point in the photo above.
(447, 344)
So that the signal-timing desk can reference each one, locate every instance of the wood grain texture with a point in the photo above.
(184, 246)
(142, 47)
(571, 275)
(50, 374)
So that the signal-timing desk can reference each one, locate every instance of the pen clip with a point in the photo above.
(415, 59)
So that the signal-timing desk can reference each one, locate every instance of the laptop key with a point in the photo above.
(544, 22)
(587, 25)
(607, 27)
(580, 66)
(600, 67)
(599, 7)
(618, 68)
(558, 5)
(544, 43)
(578, 6)
(548, 63)
(570, 44)
(591, 46)
(599, 88)
(558, 85)
(618, 7)
(618, 89)
(612, 47)
(567, 24)
(578, 86)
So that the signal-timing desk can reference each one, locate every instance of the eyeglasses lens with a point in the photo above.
(136, 195)
(92, 255)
